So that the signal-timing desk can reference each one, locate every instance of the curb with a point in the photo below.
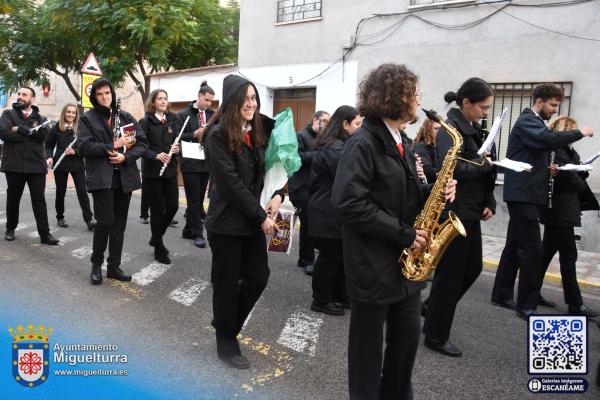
(492, 265)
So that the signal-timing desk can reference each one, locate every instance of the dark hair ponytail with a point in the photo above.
(474, 90)
(204, 88)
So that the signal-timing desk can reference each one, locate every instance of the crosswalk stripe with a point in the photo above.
(188, 292)
(2, 220)
(250, 313)
(148, 274)
(21, 226)
(301, 332)
(67, 239)
(82, 252)
(36, 235)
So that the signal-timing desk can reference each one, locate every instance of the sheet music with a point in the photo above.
(192, 150)
(517, 166)
(575, 167)
(592, 158)
(489, 141)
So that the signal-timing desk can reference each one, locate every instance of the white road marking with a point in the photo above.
(148, 274)
(188, 291)
(250, 314)
(301, 333)
(67, 239)
(21, 226)
(82, 252)
(35, 235)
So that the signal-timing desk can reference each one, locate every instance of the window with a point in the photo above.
(298, 10)
(516, 97)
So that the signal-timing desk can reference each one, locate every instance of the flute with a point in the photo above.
(551, 180)
(162, 170)
(64, 154)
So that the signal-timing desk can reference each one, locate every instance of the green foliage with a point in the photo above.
(125, 36)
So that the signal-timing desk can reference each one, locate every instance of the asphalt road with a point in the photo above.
(162, 321)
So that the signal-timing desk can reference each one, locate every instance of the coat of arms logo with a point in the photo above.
(30, 354)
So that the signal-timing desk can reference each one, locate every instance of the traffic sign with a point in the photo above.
(91, 66)
(86, 87)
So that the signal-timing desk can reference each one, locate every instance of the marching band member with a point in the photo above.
(328, 283)
(377, 196)
(462, 262)
(236, 223)
(524, 193)
(111, 175)
(196, 172)
(61, 136)
(23, 161)
(559, 220)
(425, 148)
(160, 127)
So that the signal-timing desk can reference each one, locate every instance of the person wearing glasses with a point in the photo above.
(298, 187)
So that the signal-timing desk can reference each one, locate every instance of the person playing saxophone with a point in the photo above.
(111, 175)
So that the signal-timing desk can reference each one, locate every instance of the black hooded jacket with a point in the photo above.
(160, 138)
(61, 140)
(190, 164)
(95, 138)
(299, 182)
(475, 188)
(23, 150)
(237, 178)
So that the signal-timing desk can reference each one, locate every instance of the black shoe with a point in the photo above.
(309, 269)
(62, 223)
(173, 222)
(144, 220)
(237, 361)
(118, 274)
(506, 303)
(524, 313)
(330, 308)
(49, 239)
(444, 347)
(187, 235)
(91, 224)
(546, 303)
(199, 241)
(343, 304)
(583, 311)
(424, 309)
(96, 274)
(162, 257)
(9, 235)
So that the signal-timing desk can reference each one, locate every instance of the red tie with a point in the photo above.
(25, 115)
(247, 139)
(110, 122)
(400, 149)
(162, 121)
(202, 117)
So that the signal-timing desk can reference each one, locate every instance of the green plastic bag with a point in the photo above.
(283, 144)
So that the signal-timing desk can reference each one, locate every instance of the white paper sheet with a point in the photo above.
(489, 141)
(517, 166)
(192, 150)
(575, 167)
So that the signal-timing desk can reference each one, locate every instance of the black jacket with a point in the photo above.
(190, 164)
(23, 152)
(322, 219)
(475, 188)
(95, 138)
(568, 185)
(298, 183)
(160, 138)
(530, 142)
(376, 195)
(61, 140)
(430, 160)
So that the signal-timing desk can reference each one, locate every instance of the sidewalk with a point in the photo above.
(588, 263)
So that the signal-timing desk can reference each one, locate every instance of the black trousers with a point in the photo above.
(240, 272)
(110, 208)
(367, 378)
(163, 194)
(328, 282)
(145, 202)
(562, 239)
(60, 178)
(15, 183)
(195, 184)
(523, 250)
(457, 271)
(307, 245)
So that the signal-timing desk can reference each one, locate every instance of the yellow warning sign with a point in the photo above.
(86, 88)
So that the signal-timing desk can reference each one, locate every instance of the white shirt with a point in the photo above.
(395, 133)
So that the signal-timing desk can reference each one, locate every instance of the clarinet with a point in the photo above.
(551, 180)
(117, 123)
(483, 130)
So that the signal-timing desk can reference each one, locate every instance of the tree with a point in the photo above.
(130, 38)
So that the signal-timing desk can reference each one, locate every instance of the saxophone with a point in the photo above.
(419, 265)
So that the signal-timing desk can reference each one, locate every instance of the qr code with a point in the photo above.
(557, 345)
